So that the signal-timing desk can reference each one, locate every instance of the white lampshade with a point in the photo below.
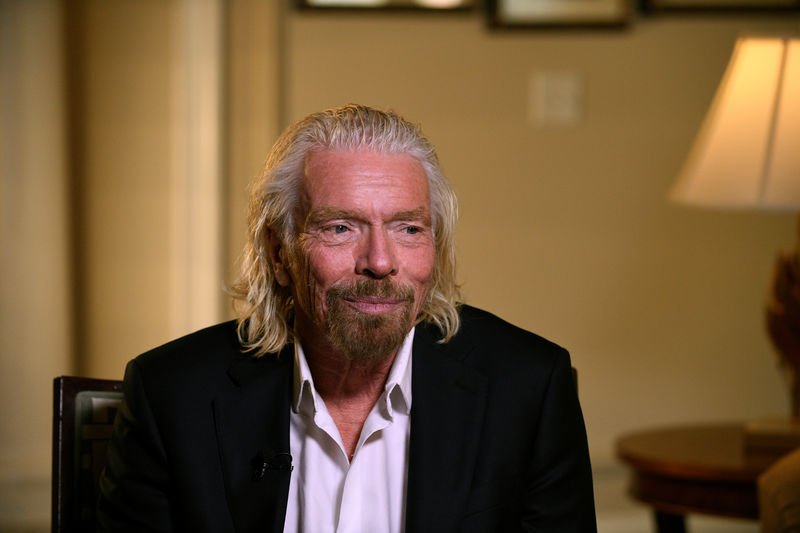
(747, 154)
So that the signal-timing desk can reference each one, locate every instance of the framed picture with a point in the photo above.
(367, 5)
(558, 13)
(721, 5)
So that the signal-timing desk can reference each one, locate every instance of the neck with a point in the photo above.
(339, 379)
(349, 388)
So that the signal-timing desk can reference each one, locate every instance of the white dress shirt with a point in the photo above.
(328, 493)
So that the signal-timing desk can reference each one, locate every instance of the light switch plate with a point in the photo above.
(556, 98)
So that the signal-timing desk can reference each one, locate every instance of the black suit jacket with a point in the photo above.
(497, 437)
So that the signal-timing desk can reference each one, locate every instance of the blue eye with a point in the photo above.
(339, 228)
(411, 230)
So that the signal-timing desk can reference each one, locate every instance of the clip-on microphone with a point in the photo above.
(281, 461)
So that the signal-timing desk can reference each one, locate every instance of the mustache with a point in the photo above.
(380, 288)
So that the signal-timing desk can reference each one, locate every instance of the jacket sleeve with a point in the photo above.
(558, 495)
(134, 486)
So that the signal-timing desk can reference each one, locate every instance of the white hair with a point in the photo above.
(263, 306)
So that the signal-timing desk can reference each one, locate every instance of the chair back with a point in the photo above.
(83, 417)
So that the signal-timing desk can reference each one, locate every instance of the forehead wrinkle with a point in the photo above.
(324, 213)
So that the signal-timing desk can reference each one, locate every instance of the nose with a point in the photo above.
(376, 256)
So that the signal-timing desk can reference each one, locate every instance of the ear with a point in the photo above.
(277, 256)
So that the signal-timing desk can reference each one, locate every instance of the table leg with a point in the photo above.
(670, 523)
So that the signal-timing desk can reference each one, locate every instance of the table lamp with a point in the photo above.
(747, 156)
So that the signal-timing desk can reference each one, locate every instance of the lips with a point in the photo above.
(374, 304)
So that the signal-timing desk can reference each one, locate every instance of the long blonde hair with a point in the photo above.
(264, 307)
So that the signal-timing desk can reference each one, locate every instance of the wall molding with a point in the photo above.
(196, 190)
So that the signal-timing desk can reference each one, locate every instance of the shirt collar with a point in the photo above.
(397, 389)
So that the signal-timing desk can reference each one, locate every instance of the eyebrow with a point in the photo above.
(322, 214)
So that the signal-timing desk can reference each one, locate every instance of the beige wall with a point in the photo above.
(564, 230)
(107, 108)
(35, 293)
(121, 92)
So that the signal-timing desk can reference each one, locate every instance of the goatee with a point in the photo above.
(364, 336)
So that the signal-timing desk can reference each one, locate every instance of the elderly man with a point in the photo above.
(353, 393)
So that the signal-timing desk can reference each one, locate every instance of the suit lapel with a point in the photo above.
(448, 403)
(252, 423)
(447, 408)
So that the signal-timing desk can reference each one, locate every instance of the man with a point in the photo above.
(353, 394)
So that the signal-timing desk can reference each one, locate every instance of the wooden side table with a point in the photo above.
(692, 469)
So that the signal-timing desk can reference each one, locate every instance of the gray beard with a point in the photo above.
(367, 337)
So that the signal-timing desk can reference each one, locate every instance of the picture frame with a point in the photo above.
(558, 13)
(382, 5)
(721, 5)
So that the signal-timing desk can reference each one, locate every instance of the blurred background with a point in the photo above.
(130, 129)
